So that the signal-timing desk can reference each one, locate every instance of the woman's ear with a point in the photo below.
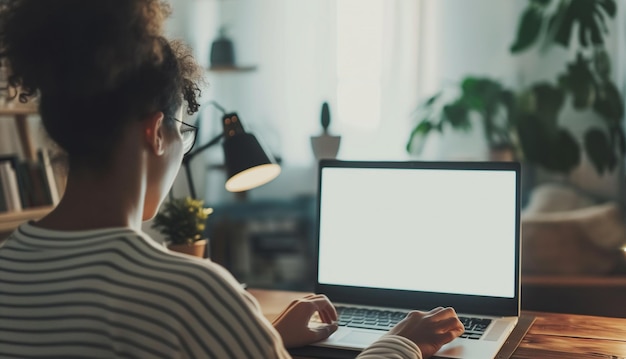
(153, 128)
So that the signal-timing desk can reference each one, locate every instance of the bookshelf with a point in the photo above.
(19, 113)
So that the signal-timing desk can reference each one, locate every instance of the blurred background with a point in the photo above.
(535, 81)
(378, 64)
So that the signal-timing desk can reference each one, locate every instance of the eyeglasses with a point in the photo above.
(188, 132)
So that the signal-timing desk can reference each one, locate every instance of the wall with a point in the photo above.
(294, 46)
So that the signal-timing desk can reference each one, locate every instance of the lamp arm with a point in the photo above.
(217, 106)
(187, 159)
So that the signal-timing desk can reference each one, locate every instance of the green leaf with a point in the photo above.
(533, 139)
(599, 150)
(596, 35)
(619, 139)
(556, 150)
(418, 136)
(182, 220)
(480, 94)
(602, 64)
(548, 101)
(561, 23)
(325, 116)
(432, 99)
(507, 98)
(566, 152)
(609, 103)
(528, 30)
(590, 18)
(423, 128)
(601, 21)
(580, 82)
(457, 115)
(609, 7)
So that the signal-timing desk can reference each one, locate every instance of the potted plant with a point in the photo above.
(527, 120)
(586, 81)
(485, 97)
(182, 221)
(325, 145)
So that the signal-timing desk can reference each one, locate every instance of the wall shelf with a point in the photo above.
(18, 109)
(233, 68)
(9, 221)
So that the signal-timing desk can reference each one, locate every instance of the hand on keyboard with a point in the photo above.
(293, 322)
(430, 330)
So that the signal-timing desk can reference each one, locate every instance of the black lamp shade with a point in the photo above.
(247, 165)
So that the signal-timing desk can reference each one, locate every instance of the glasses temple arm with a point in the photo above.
(187, 159)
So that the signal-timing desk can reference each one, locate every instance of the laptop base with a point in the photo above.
(515, 338)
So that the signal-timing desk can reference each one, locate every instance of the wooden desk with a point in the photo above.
(552, 336)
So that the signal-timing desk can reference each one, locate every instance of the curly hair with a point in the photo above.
(94, 66)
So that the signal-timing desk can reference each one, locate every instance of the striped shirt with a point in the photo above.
(117, 293)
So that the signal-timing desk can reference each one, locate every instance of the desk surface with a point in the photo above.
(552, 335)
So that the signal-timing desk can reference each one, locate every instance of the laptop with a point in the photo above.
(397, 236)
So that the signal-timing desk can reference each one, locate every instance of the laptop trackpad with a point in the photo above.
(352, 338)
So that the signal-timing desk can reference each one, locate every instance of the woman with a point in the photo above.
(85, 281)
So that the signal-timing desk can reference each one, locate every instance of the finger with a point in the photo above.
(449, 325)
(322, 332)
(435, 310)
(415, 314)
(448, 336)
(442, 314)
(328, 305)
(325, 309)
(328, 315)
(287, 310)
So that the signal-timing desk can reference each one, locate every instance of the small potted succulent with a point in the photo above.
(182, 221)
(325, 145)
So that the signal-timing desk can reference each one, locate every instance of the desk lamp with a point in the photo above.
(247, 165)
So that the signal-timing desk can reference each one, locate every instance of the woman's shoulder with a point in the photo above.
(201, 274)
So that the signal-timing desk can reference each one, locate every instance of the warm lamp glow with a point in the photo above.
(246, 163)
(252, 177)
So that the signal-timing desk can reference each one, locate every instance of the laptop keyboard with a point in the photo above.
(368, 318)
(386, 319)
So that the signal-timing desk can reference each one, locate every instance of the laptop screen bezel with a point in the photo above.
(474, 304)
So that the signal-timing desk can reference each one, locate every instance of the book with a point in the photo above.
(3, 185)
(14, 161)
(10, 187)
(3, 202)
(32, 184)
(7, 189)
(48, 170)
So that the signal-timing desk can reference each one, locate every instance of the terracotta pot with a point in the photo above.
(196, 249)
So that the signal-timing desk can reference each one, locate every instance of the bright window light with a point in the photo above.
(359, 62)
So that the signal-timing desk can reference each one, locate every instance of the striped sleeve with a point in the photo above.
(235, 326)
(392, 347)
(259, 337)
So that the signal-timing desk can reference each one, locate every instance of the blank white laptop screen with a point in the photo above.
(431, 230)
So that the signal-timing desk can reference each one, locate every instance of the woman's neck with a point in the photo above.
(101, 199)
